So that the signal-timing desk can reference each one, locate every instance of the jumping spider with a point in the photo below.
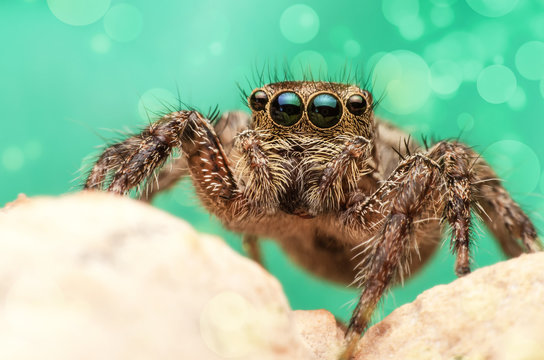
(313, 169)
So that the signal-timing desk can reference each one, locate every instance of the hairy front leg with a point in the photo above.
(477, 186)
(340, 175)
(456, 167)
(511, 227)
(444, 183)
(262, 179)
(226, 129)
(390, 215)
(135, 160)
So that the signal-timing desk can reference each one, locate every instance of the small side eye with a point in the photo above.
(258, 100)
(324, 111)
(286, 108)
(357, 104)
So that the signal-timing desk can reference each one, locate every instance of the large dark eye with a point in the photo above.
(286, 109)
(356, 104)
(258, 100)
(324, 111)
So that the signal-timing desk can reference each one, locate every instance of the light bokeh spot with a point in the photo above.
(352, 48)
(518, 100)
(446, 77)
(496, 84)
(155, 103)
(465, 122)
(412, 28)
(516, 163)
(536, 24)
(404, 79)
(494, 39)
(492, 8)
(299, 23)
(471, 70)
(307, 62)
(530, 60)
(216, 48)
(78, 12)
(13, 158)
(462, 47)
(123, 22)
(398, 12)
(100, 43)
(442, 16)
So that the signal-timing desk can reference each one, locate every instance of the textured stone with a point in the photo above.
(321, 334)
(495, 313)
(96, 276)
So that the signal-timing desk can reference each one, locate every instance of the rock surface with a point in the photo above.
(96, 276)
(495, 313)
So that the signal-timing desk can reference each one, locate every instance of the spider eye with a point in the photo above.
(324, 111)
(286, 109)
(356, 104)
(258, 100)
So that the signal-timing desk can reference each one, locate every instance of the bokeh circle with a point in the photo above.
(398, 12)
(516, 163)
(496, 84)
(308, 64)
(530, 60)
(13, 158)
(403, 78)
(518, 99)
(492, 8)
(299, 23)
(123, 22)
(155, 103)
(465, 121)
(446, 77)
(78, 12)
(442, 16)
(100, 43)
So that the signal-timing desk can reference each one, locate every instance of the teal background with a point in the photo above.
(72, 72)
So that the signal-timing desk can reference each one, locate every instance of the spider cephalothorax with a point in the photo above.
(310, 108)
(314, 170)
(297, 128)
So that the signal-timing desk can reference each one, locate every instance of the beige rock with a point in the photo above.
(96, 276)
(320, 333)
(497, 312)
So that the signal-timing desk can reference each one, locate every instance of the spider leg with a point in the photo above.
(262, 181)
(445, 182)
(501, 214)
(455, 162)
(344, 167)
(109, 161)
(146, 152)
(252, 248)
(391, 213)
(226, 128)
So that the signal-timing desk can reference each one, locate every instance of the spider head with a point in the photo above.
(312, 108)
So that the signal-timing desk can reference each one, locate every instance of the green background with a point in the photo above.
(72, 72)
